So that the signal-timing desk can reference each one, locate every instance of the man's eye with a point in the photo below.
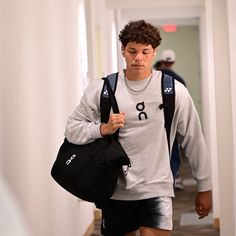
(132, 52)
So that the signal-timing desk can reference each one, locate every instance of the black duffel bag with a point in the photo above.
(90, 171)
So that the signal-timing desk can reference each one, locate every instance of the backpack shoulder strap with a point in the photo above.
(168, 97)
(105, 104)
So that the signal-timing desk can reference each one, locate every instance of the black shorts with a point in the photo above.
(122, 217)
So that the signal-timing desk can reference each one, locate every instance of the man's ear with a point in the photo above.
(155, 51)
(123, 51)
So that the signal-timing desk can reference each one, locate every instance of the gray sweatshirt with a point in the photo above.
(144, 137)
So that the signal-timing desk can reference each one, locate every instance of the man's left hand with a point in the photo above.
(203, 203)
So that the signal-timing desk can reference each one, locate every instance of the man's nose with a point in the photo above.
(138, 56)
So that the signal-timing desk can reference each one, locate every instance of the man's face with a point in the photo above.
(138, 57)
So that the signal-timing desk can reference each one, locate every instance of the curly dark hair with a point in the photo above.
(140, 31)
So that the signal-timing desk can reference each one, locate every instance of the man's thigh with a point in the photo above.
(146, 231)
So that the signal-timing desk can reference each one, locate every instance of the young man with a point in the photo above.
(142, 198)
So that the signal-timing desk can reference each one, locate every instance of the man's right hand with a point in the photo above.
(115, 122)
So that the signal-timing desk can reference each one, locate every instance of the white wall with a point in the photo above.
(231, 9)
(39, 88)
(208, 98)
(224, 115)
(99, 31)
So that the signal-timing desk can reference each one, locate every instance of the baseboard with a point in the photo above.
(89, 230)
(97, 214)
(216, 223)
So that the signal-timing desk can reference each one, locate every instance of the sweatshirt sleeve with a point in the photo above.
(83, 125)
(191, 139)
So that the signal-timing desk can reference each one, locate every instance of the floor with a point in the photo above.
(185, 221)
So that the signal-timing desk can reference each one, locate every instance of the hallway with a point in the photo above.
(184, 219)
(50, 51)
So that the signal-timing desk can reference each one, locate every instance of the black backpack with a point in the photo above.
(168, 97)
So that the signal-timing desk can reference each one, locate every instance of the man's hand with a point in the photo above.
(203, 203)
(115, 122)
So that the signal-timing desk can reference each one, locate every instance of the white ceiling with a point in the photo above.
(180, 12)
